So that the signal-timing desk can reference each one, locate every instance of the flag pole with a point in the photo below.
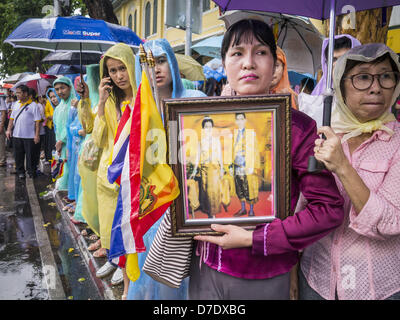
(152, 63)
(143, 60)
(314, 165)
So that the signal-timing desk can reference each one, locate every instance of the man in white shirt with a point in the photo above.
(3, 118)
(24, 128)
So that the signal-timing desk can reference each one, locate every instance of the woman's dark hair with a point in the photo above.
(205, 120)
(308, 83)
(32, 93)
(243, 30)
(210, 86)
(117, 94)
(339, 43)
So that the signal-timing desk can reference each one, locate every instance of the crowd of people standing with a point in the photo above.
(345, 215)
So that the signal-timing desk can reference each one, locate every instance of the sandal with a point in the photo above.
(72, 209)
(67, 200)
(67, 207)
(100, 253)
(93, 237)
(95, 246)
(75, 221)
(86, 232)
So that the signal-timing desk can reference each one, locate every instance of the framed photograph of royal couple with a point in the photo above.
(231, 156)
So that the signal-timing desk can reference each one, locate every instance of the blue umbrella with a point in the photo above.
(210, 47)
(63, 69)
(76, 34)
(296, 77)
(216, 74)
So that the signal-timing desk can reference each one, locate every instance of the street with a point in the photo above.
(29, 268)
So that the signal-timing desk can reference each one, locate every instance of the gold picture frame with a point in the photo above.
(228, 153)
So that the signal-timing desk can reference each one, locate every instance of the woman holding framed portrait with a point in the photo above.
(258, 264)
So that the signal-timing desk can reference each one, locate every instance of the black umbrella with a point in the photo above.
(58, 69)
(71, 58)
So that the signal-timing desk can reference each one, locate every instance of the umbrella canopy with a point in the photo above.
(189, 67)
(296, 36)
(296, 77)
(210, 47)
(7, 85)
(15, 77)
(71, 58)
(71, 34)
(317, 9)
(59, 69)
(37, 81)
(214, 69)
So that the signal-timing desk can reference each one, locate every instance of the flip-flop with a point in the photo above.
(67, 207)
(68, 200)
(93, 237)
(75, 221)
(100, 253)
(95, 246)
(87, 232)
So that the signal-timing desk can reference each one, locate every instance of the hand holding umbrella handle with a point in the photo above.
(314, 165)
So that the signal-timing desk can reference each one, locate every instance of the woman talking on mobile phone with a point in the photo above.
(117, 87)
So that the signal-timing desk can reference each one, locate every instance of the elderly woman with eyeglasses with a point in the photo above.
(360, 259)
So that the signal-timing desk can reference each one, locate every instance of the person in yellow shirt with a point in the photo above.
(50, 139)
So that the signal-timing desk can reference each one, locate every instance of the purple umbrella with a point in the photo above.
(318, 9)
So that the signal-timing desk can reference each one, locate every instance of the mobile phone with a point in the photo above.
(109, 83)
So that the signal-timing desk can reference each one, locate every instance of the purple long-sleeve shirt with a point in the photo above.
(276, 244)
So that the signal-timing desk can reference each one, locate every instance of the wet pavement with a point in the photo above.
(22, 275)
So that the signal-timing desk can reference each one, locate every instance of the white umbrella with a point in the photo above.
(297, 37)
(16, 77)
(37, 81)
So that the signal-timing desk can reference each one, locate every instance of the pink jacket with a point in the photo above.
(362, 257)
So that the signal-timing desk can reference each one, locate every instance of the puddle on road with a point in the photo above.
(21, 276)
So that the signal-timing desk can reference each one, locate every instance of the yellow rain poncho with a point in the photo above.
(103, 133)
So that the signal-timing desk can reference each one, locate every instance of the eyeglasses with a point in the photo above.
(364, 81)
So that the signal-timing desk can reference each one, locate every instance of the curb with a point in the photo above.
(106, 290)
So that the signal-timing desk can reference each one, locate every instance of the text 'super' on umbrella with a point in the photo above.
(71, 58)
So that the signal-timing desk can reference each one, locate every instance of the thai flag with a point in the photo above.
(147, 183)
(122, 240)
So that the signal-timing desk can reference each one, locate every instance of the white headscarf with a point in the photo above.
(343, 120)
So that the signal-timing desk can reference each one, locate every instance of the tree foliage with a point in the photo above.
(12, 14)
